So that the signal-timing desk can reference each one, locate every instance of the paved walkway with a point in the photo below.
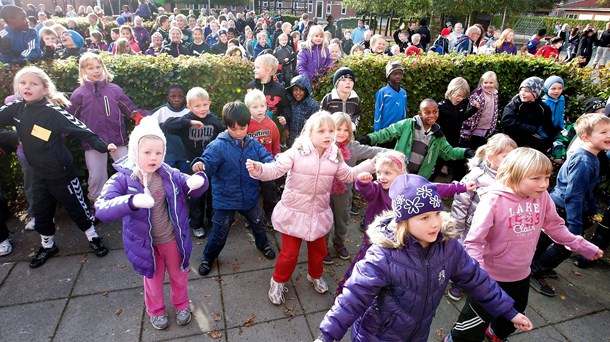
(76, 296)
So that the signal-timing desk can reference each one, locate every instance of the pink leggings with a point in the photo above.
(287, 261)
(167, 257)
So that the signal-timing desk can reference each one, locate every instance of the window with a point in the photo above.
(265, 5)
(248, 7)
(319, 9)
(233, 8)
(329, 8)
(310, 6)
(343, 9)
(279, 4)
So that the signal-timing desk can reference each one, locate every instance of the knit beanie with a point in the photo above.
(76, 38)
(593, 104)
(534, 85)
(391, 67)
(120, 20)
(550, 81)
(343, 72)
(413, 195)
(445, 32)
(148, 126)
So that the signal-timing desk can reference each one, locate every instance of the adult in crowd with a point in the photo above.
(358, 34)
(465, 44)
(603, 45)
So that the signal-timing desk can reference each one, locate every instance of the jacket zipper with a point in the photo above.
(417, 325)
(177, 220)
(106, 105)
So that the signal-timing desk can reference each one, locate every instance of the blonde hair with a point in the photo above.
(497, 144)
(489, 75)
(47, 31)
(393, 159)
(457, 86)
(58, 28)
(267, 61)
(502, 39)
(197, 93)
(53, 96)
(415, 39)
(357, 48)
(314, 30)
(254, 95)
(586, 123)
(315, 121)
(88, 58)
(341, 119)
(123, 47)
(521, 163)
(400, 230)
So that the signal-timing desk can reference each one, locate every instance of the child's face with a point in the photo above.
(180, 22)
(379, 46)
(223, 38)
(192, 22)
(199, 107)
(496, 159)
(599, 138)
(238, 132)
(125, 33)
(456, 99)
(555, 90)
(114, 36)
(347, 35)
(175, 97)
(31, 88)
(428, 111)
(92, 20)
(526, 95)
(165, 25)
(425, 227)
(214, 26)
(67, 41)
(345, 85)
(298, 93)
(533, 186)
(197, 36)
(94, 70)
(402, 37)
(342, 133)
(138, 22)
(175, 36)
(258, 110)
(323, 136)
(396, 77)
(157, 40)
(19, 22)
(49, 40)
(489, 84)
(261, 72)
(317, 38)
(150, 154)
(509, 37)
(283, 41)
(386, 175)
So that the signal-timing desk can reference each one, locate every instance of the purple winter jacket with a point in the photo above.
(311, 64)
(393, 293)
(115, 203)
(101, 106)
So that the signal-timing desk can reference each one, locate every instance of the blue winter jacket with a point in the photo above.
(393, 293)
(115, 203)
(19, 46)
(225, 164)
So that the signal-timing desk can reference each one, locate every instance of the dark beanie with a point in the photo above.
(343, 72)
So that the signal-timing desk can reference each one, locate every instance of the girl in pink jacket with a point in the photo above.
(503, 236)
(304, 212)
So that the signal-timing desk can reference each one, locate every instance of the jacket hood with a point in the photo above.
(301, 82)
(506, 195)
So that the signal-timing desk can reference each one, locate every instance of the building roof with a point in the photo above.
(584, 4)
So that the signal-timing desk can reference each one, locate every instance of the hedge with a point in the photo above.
(145, 79)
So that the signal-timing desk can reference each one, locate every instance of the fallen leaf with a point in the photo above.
(217, 316)
(217, 335)
(122, 265)
(289, 311)
(299, 275)
(250, 322)
(118, 312)
(31, 255)
(105, 294)
(240, 331)
(576, 273)
(562, 297)
(84, 259)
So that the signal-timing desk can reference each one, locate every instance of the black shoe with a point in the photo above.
(204, 268)
(581, 262)
(43, 255)
(541, 286)
(269, 253)
(552, 274)
(97, 246)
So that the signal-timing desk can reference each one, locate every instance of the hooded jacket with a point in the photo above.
(522, 120)
(505, 230)
(115, 203)
(393, 293)
(333, 103)
(311, 63)
(302, 110)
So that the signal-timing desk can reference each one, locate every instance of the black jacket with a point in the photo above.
(451, 117)
(523, 121)
(194, 140)
(277, 101)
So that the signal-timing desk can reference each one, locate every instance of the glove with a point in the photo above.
(364, 140)
(469, 153)
(143, 201)
(195, 182)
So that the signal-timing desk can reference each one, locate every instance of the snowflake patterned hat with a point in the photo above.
(413, 195)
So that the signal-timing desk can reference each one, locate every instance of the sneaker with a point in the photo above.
(183, 317)
(540, 285)
(454, 293)
(269, 253)
(342, 252)
(328, 259)
(159, 322)
(43, 255)
(491, 337)
(97, 246)
(5, 248)
(276, 292)
(30, 225)
(354, 210)
(204, 268)
(318, 284)
(199, 232)
(579, 262)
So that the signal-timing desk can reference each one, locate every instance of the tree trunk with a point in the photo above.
(504, 19)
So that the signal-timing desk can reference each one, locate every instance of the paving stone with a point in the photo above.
(5, 268)
(240, 253)
(310, 300)
(25, 323)
(245, 294)
(287, 329)
(115, 316)
(314, 320)
(54, 279)
(446, 315)
(547, 333)
(112, 272)
(590, 328)
(591, 281)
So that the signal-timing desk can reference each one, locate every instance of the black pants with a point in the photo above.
(474, 320)
(199, 208)
(4, 212)
(67, 191)
(269, 194)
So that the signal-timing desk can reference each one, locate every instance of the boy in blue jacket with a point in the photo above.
(391, 100)
(233, 190)
(18, 42)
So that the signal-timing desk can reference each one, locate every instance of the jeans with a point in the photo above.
(221, 223)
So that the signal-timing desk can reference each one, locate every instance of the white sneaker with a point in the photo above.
(30, 224)
(276, 292)
(319, 285)
(5, 248)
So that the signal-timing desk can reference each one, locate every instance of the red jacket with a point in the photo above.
(266, 133)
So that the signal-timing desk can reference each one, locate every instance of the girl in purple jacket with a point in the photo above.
(313, 59)
(151, 197)
(394, 291)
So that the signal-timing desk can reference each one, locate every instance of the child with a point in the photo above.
(97, 42)
(212, 37)
(150, 197)
(181, 23)
(343, 98)
(483, 168)
(285, 56)
(347, 43)
(454, 109)
(553, 87)
(114, 35)
(394, 291)
(48, 43)
(534, 43)
(551, 50)
(419, 138)
(260, 44)
(73, 44)
(574, 196)
(267, 134)
(175, 107)
(19, 43)
(164, 25)
(528, 120)
(8, 144)
(482, 124)
(391, 100)
(175, 47)
(504, 231)
(102, 106)
(401, 38)
(441, 44)
(234, 191)
(127, 33)
(126, 14)
(220, 47)
(141, 34)
(198, 46)
(302, 106)
(378, 44)
(304, 213)
(197, 129)
(313, 60)
(156, 47)
(41, 124)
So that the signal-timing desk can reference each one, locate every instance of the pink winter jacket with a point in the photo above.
(304, 209)
(505, 230)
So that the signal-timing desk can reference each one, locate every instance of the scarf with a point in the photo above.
(338, 186)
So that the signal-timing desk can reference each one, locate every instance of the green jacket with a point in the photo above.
(403, 131)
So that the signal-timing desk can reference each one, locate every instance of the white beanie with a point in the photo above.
(148, 126)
